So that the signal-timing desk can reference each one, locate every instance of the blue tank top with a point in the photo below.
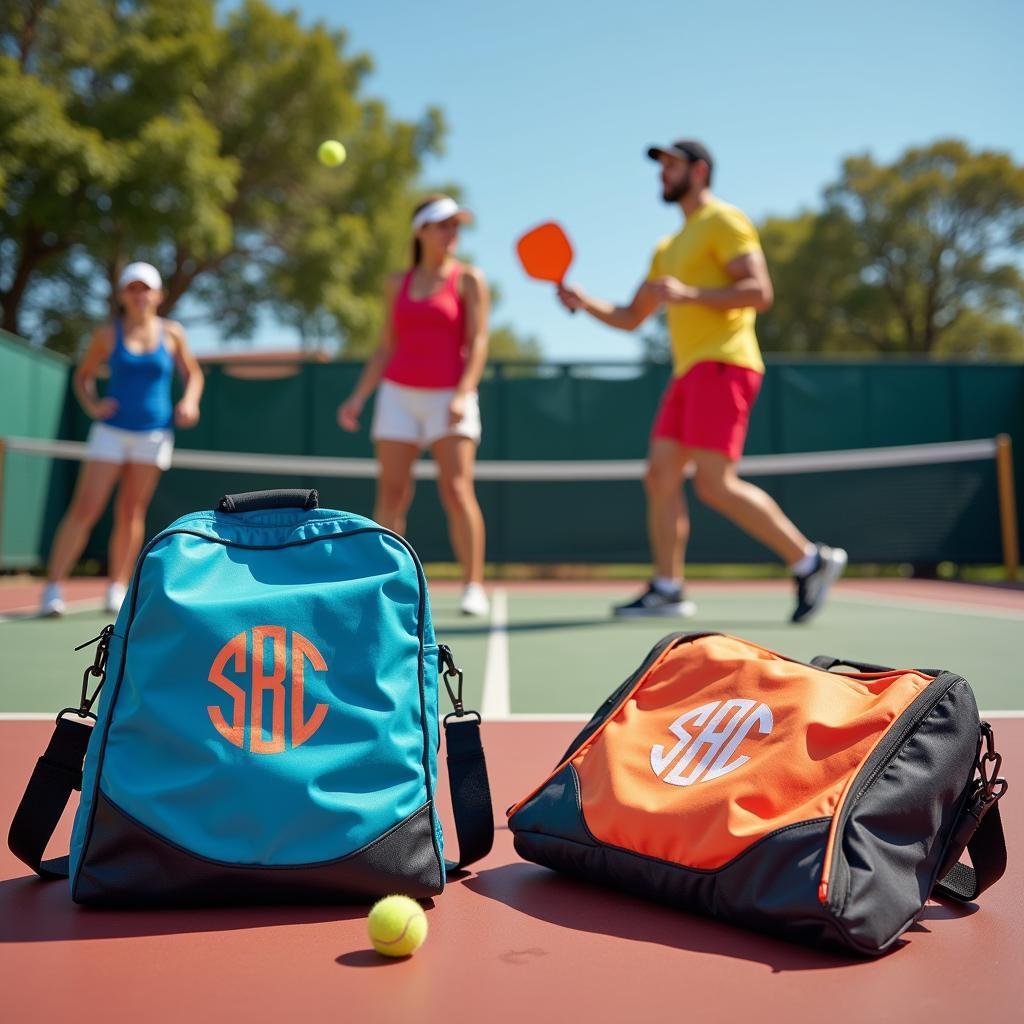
(141, 384)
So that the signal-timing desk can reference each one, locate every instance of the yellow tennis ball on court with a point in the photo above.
(331, 153)
(397, 926)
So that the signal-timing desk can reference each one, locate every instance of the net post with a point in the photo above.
(1007, 506)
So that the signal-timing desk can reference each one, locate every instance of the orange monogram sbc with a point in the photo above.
(247, 654)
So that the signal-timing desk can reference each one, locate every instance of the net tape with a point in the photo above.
(538, 470)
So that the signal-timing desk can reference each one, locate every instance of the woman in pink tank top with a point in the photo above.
(425, 371)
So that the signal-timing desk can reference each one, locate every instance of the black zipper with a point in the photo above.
(874, 766)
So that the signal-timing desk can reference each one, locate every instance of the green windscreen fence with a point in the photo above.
(936, 509)
(33, 396)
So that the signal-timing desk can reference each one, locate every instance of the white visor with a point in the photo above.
(439, 210)
(144, 272)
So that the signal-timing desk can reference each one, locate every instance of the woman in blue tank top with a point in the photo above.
(132, 438)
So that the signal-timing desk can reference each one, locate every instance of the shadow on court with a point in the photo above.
(581, 907)
(35, 911)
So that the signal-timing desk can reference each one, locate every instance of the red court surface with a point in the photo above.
(509, 942)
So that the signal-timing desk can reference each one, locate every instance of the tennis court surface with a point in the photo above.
(513, 941)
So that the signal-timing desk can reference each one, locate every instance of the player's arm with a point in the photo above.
(477, 298)
(186, 412)
(751, 287)
(83, 381)
(350, 409)
(625, 318)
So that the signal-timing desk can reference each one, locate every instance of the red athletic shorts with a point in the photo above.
(709, 407)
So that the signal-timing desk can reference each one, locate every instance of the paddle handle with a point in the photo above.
(558, 284)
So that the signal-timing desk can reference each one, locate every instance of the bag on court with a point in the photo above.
(268, 729)
(821, 806)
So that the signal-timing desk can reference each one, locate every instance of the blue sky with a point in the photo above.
(551, 105)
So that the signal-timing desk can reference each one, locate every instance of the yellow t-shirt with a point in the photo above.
(714, 236)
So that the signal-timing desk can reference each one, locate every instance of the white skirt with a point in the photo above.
(145, 447)
(420, 415)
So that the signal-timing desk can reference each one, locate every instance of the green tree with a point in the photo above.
(141, 129)
(918, 256)
(103, 150)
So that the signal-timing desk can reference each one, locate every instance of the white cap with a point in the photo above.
(439, 210)
(144, 272)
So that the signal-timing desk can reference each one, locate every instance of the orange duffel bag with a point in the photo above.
(822, 806)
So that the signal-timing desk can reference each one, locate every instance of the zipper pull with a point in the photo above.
(97, 670)
(104, 637)
(449, 670)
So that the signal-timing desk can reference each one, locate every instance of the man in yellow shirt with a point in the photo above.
(713, 278)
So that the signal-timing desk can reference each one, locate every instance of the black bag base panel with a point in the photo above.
(127, 865)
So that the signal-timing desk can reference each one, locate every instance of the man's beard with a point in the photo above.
(680, 191)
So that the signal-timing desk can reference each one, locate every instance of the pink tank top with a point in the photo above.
(429, 336)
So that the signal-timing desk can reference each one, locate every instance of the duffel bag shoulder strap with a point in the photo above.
(56, 775)
(987, 847)
(467, 773)
(979, 831)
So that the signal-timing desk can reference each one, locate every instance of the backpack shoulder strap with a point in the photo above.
(59, 772)
(467, 771)
(56, 774)
(470, 789)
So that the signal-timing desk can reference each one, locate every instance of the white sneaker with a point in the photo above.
(115, 597)
(474, 600)
(53, 601)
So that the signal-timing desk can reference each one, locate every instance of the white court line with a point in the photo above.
(25, 614)
(495, 703)
(923, 604)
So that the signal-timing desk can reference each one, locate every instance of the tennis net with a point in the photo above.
(923, 504)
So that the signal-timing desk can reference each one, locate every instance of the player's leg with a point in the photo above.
(138, 482)
(718, 485)
(668, 518)
(395, 485)
(397, 436)
(455, 455)
(148, 454)
(668, 521)
(718, 407)
(92, 492)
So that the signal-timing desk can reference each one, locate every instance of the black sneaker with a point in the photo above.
(653, 602)
(812, 588)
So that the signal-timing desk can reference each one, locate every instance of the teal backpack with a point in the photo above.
(268, 729)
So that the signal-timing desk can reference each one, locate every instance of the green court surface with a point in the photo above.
(554, 649)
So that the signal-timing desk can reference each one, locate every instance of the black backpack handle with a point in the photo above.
(256, 501)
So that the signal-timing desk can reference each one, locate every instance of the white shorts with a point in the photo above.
(145, 447)
(420, 415)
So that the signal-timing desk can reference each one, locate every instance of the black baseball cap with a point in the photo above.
(688, 149)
